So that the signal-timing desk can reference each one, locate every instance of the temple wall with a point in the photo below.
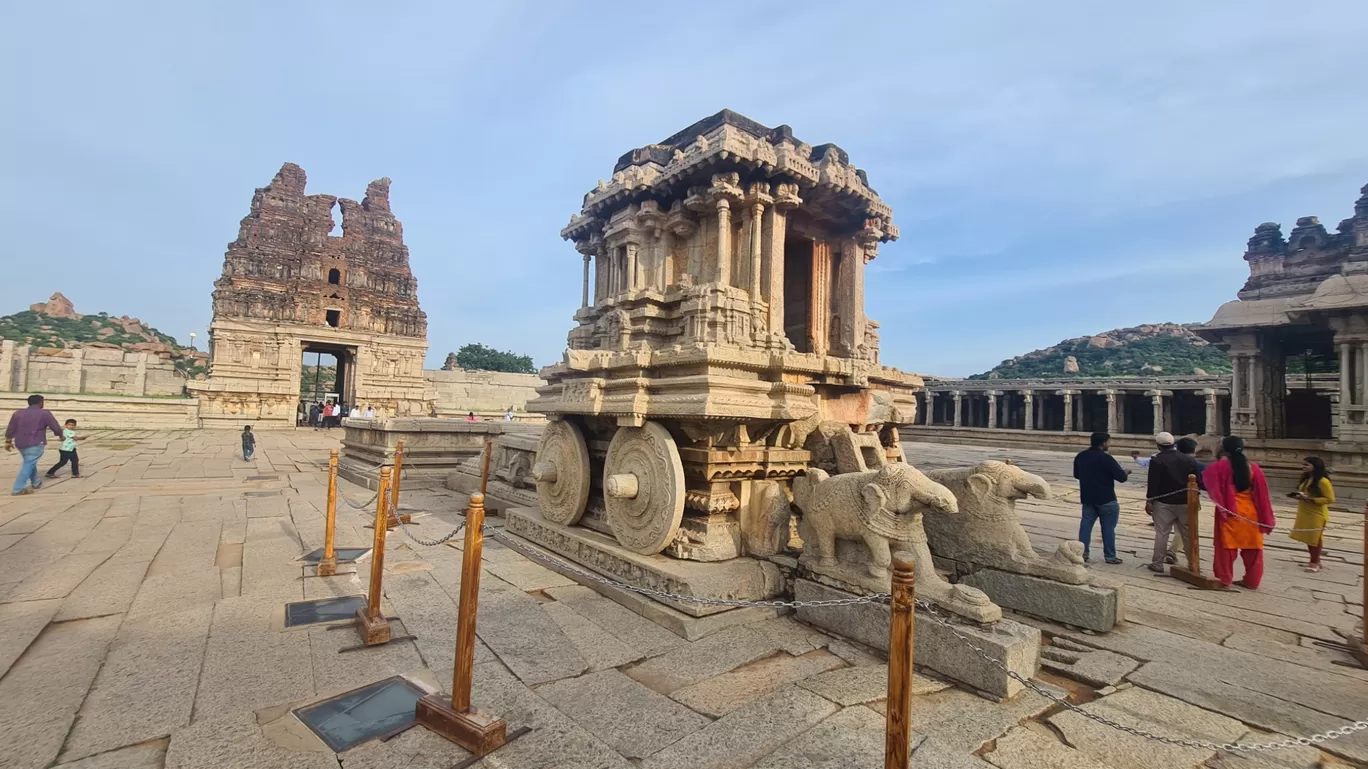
(487, 393)
(93, 412)
(87, 370)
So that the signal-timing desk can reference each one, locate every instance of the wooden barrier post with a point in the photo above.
(1192, 574)
(395, 518)
(455, 719)
(327, 565)
(484, 467)
(371, 624)
(898, 726)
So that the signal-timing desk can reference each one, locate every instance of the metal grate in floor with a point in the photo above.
(322, 610)
(344, 554)
(375, 710)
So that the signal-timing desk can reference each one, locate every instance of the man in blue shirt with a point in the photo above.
(1097, 473)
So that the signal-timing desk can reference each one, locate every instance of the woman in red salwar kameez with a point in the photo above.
(1244, 513)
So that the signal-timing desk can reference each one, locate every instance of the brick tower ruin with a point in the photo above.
(290, 287)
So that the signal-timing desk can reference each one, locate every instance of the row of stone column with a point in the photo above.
(1159, 400)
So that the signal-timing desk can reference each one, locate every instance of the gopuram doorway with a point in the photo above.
(326, 374)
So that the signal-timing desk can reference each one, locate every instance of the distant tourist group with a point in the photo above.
(325, 415)
(1236, 487)
(27, 431)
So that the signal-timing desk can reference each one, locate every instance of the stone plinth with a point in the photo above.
(1096, 606)
(1013, 644)
(432, 447)
(114, 413)
(510, 470)
(746, 579)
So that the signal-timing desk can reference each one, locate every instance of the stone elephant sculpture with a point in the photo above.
(987, 532)
(882, 509)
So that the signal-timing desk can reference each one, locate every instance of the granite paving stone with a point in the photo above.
(41, 693)
(529, 642)
(599, 648)
(747, 734)
(643, 635)
(148, 755)
(20, 623)
(1153, 712)
(1023, 748)
(146, 687)
(58, 579)
(250, 665)
(858, 685)
(722, 694)
(852, 738)
(629, 717)
(707, 657)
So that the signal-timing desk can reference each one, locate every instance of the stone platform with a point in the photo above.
(744, 579)
(433, 447)
(1013, 644)
(1097, 606)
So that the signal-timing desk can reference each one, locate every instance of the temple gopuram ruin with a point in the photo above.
(291, 287)
(1297, 336)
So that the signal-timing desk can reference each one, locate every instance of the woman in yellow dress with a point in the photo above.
(1314, 496)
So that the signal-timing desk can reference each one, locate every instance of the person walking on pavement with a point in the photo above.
(1244, 514)
(67, 451)
(1098, 473)
(1166, 497)
(27, 431)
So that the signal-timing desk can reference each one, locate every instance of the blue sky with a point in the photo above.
(1056, 168)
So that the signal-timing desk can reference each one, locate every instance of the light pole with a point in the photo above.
(192, 339)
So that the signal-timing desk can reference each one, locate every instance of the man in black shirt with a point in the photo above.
(1097, 473)
(1167, 495)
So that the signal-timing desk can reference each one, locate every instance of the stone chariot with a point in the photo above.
(724, 338)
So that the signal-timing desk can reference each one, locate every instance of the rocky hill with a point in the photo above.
(1154, 349)
(55, 323)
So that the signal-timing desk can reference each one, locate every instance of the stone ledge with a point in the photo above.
(744, 579)
(1015, 645)
(1094, 607)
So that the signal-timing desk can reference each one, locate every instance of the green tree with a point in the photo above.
(478, 357)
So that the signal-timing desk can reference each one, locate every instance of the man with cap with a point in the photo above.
(1167, 496)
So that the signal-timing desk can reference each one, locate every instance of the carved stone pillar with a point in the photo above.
(1029, 417)
(1158, 403)
(819, 315)
(1111, 410)
(992, 409)
(930, 408)
(756, 212)
(775, 237)
(959, 402)
(849, 304)
(1213, 416)
(1068, 410)
(724, 247)
(633, 281)
(584, 294)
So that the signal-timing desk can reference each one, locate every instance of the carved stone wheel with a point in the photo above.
(561, 472)
(643, 488)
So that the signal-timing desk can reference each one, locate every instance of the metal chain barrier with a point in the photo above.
(442, 540)
(1231, 747)
(1228, 511)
